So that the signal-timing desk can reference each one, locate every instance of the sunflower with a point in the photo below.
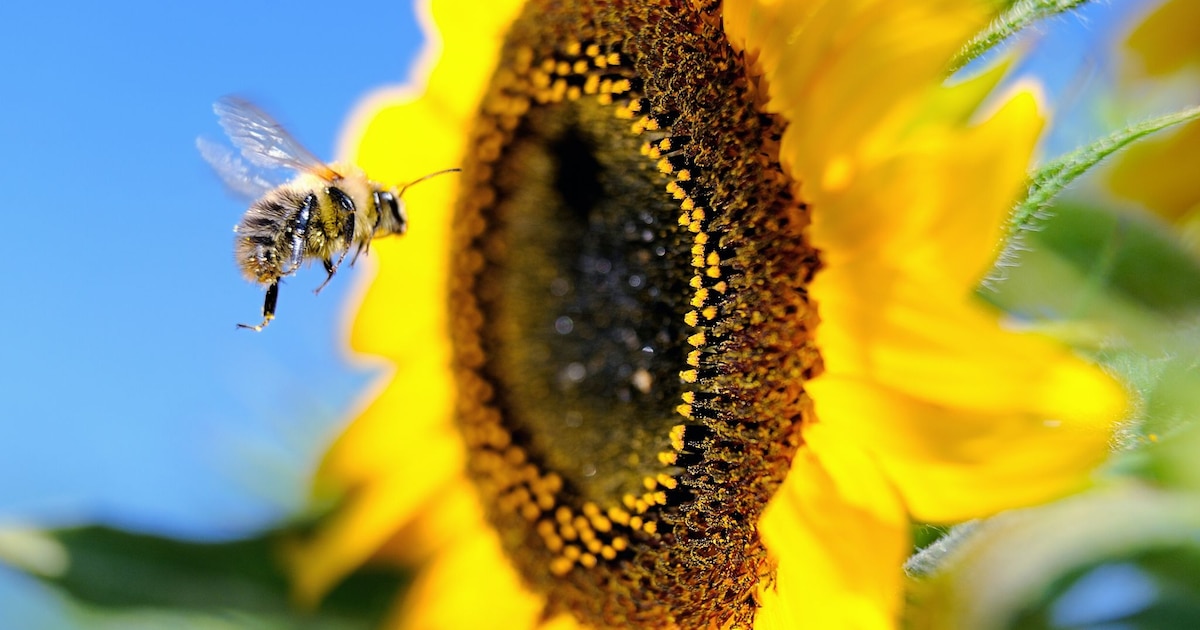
(693, 339)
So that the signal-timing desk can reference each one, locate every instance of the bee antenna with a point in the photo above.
(421, 179)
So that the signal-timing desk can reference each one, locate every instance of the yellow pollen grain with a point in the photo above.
(668, 458)
(698, 214)
(667, 481)
(560, 90)
(649, 483)
(618, 516)
(709, 312)
(664, 166)
(713, 272)
(688, 204)
(691, 319)
(694, 227)
(665, 144)
(530, 511)
(629, 500)
(696, 340)
(608, 553)
(613, 59)
(688, 376)
(684, 219)
(553, 482)
(548, 65)
(592, 50)
(568, 533)
(591, 85)
(601, 524)
(620, 86)
(580, 67)
(574, 93)
(700, 298)
(684, 410)
(563, 515)
(636, 522)
(651, 527)
(514, 456)
(573, 48)
(721, 286)
(572, 552)
(587, 561)
(562, 68)
(676, 436)
(693, 358)
(545, 528)
(620, 543)
(684, 175)
(561, 566)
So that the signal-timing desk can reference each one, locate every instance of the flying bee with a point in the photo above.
(320, 214)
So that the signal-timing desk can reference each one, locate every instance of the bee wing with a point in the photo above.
(265, 142)
(236, 174)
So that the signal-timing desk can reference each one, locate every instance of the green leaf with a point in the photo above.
(1051, 179)
(1030, 568)
(1012, 20)
(109, 569)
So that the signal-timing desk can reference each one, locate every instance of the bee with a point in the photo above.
(322, 213)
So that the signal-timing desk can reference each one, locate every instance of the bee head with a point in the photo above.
(391, 212)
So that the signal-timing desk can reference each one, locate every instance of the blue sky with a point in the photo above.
(126, 394)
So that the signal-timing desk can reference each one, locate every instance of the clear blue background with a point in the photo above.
(126, 394)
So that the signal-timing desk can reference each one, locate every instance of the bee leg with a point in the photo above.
(268, 308)
(332, 267)
(363, 248)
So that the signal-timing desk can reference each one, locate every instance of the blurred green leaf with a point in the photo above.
(1151, 589)
(109, 569)
(1030, 567)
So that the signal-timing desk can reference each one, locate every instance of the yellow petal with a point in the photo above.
(932, 204)
(1165, 42)
(471, 585)
(952, 464)
(952, 351)
(1160, 173)
(388, 469)
(837, 70)
(840, 535)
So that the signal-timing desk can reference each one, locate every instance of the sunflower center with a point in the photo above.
(632, 332)
(587, 318)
